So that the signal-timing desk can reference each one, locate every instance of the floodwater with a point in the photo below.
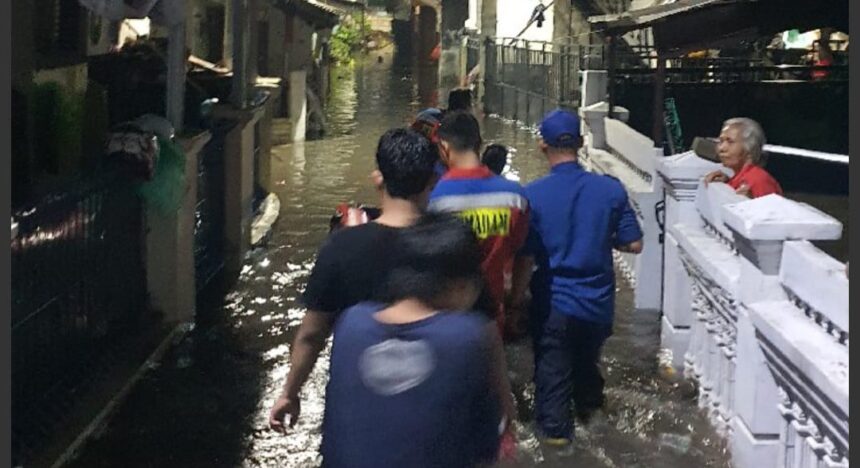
(206, 403)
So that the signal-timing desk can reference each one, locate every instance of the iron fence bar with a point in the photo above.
(528, 79)
(79, 292)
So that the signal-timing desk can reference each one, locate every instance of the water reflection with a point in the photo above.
(242, 356)
(642, 411)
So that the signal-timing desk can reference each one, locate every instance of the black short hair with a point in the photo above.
(428, 256)
(461, 130)
(406, 160)
(495, 157)
(459, 99)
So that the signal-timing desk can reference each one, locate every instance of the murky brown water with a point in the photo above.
(207, 403)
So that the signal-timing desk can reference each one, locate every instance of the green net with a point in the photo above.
(164, 192)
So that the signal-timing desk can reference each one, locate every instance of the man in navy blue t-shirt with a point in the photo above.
(414, 379)
(578, 218)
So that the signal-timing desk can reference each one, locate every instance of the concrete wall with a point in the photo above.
(239, 185)
(299, 44)
(570, 24)
(100, 35)
(278, 51)
(170, 245)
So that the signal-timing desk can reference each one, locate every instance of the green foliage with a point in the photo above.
(348, 38)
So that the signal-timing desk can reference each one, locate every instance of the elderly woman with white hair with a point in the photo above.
(740, 149)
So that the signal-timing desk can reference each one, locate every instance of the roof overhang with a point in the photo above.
(695, 24)
(314, 12)
(351, 6)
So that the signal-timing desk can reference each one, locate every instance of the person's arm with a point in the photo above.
(634, 247)
(526, 244)
(520, 279)
(307, 346)
(323, 298)
(499, 374)
(628, 234)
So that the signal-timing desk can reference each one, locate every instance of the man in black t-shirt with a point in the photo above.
(353, 262)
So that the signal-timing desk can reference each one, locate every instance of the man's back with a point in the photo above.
(497, 210)
(350, 267)
(413, 394)
(577, 218)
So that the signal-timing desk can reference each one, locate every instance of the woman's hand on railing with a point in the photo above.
(743, 190)
(716, 176)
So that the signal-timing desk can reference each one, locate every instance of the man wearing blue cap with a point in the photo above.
(577, 219)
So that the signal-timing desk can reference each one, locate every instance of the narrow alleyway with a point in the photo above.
(206, 404)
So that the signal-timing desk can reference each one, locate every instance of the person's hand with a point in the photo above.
(514, 329)
(508, 446)
(716, 176)
(743, 190)
(515, 311)
(284, 406)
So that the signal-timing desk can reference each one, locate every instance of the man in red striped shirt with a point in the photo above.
(495, 207)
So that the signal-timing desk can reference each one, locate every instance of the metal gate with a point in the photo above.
(527, 79)
(78, 296)
(209, 214)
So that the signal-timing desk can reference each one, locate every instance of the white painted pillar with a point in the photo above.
(170, 245)
(594, 123)
(486, 29)
(238, 184)
(265, 134)
(298, 100)
(240, 32)
(176, 76)
(760, 227)
(681, 175)
(594, 86)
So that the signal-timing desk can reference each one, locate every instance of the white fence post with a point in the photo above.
(807, 335)
(708, 257)
(760, 227)
(681, 175)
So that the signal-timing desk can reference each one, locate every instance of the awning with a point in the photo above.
(350, 6)
(696, 24)
(642, 18)
(313, 11)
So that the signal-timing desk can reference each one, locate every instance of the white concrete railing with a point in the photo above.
(805, 343)
(613, 148)
(757, 316)
(751, 311)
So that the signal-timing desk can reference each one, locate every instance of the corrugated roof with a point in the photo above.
(634, 19)
(346, 5)
(313, 11)
(326, 7)
(695, 24)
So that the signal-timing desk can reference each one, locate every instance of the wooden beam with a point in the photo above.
(659, 94)
(176, 76)
(610, 85)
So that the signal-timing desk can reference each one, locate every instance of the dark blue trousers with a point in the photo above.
(567, 353)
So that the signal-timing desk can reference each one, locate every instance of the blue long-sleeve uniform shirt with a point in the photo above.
(577, 218)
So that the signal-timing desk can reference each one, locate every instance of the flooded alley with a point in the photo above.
(206, 403)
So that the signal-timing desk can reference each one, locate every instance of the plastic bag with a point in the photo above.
(167, 188)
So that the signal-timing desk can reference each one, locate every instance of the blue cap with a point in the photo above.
(560, 129)
(431, 115)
